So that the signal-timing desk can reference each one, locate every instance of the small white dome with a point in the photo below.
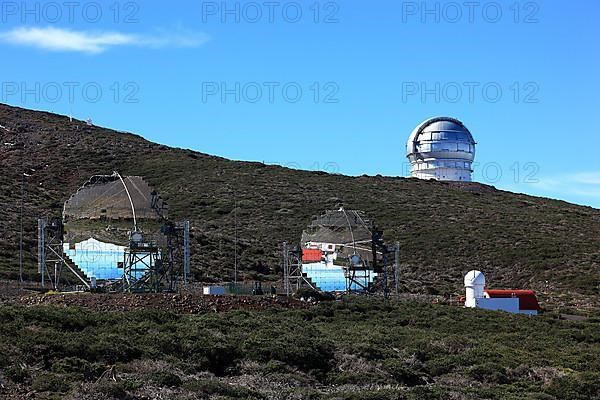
(474, 278)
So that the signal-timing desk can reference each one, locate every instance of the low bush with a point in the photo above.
(112, 390)
(405, 375)
(48, 382)
(17, 374)
(576, 386)
(359, 346)
(74, 365)
(166, 379)
(488, 373)
(294, 346)
(212, 387)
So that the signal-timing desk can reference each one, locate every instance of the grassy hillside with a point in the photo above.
(445, 229)
(355, 349)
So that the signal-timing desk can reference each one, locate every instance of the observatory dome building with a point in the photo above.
(514, 301)
(441, 148)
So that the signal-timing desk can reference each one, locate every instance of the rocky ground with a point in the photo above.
(186, 302)
(178, 303)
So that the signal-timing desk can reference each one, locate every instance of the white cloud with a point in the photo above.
(56, 39)
(576, 187)
(587, 178)
(579, 183)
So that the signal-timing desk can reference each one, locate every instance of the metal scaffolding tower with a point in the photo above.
(358, 275)
(51, 257)
(142, 265)
(177, 257)
(388, 268)
(186, 251)
(149, 268)
(293, 278)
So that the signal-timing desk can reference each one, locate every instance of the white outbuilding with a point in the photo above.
(514, 301)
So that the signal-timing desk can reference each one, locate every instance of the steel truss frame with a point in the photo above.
(51, 251)
(160, 269)
(293, 277)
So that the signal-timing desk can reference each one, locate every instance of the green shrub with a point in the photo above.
(4, 360)
(112, 349)
(17, 374)
(300, 348)
(534, 396)
(404, 375)
(577, 386)
(432, 393)
(364, 343)
(166, 379)
(112, 390)
(217, 358)
(47, 382)
(385, 394)
(488, 373)
(440, 366)
(360, 378)
(131, 384)
(213, 387)
(276, 367)
(74, 365)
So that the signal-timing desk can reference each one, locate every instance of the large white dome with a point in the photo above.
(441, 148)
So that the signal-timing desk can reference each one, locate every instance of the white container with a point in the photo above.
(499, 304)
(213, 290)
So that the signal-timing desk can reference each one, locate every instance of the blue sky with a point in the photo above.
(335, 86)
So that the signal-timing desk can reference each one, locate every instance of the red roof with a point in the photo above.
(311, 255)
(527, 298)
